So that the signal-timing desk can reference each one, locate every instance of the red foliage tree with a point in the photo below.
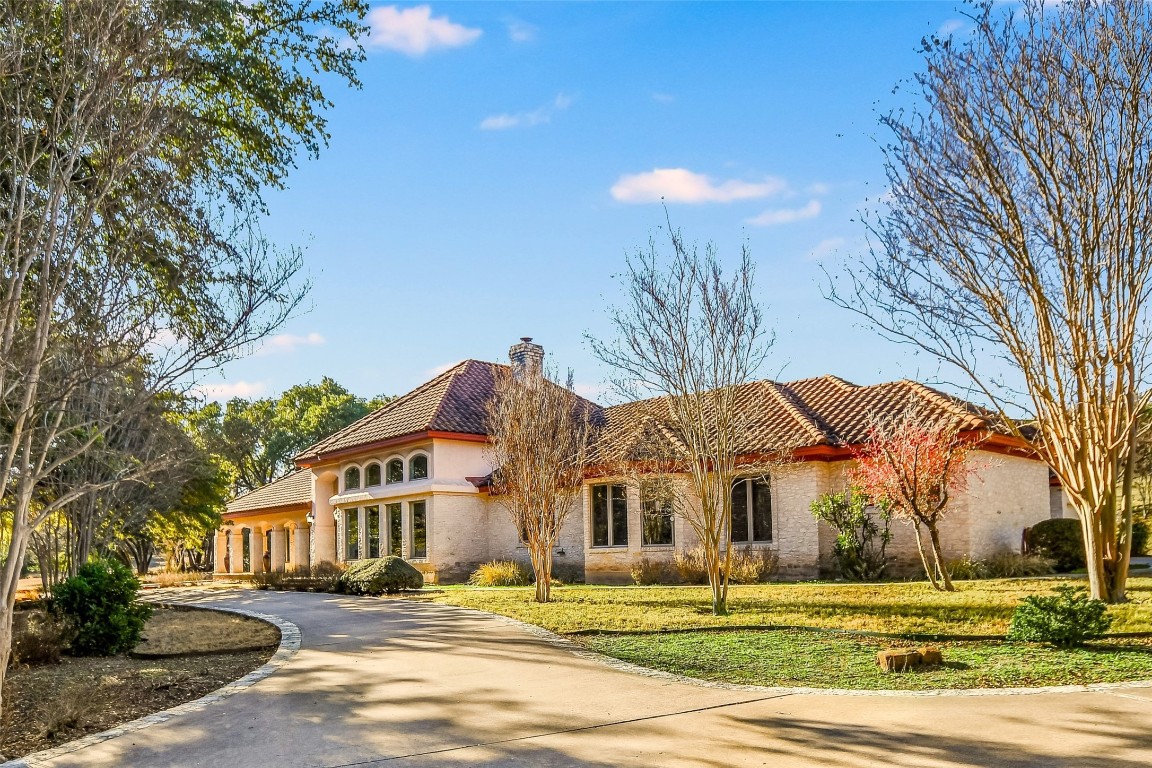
(913, 463)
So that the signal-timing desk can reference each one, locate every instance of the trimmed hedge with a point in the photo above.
(100, 603)
(1061, 541)
(1065, 619)
(380, 576)
(1140, 530)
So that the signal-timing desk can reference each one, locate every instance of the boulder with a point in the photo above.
(899, 659)
(931, 656)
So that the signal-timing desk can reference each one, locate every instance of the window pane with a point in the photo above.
(395, 530)
(287, 545)
(419, 529)
(761, 510)
(740, 510)
(373, 475)
(656, 510)
(352, 534)
(599, 515)
(351, 478)
(395, 471)
(373, 523)
(619, 516)
(418, 468)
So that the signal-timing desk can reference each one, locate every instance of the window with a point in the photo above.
(751, 510)
(609, 516)
(372, 475)
(287, 545)
(395, 472)
(656, 512)
(352, 534)
(373, 532)
(419, 528)
(351, 478)
(395, 530)
(418, 467)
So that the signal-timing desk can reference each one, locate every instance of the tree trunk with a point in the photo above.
(938, 555)
(718, 582)
(928, 571)
(542, 566)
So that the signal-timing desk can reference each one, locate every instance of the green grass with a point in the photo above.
(976, 608)
(831, 660)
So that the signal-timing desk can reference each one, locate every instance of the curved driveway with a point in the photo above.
(396, 682)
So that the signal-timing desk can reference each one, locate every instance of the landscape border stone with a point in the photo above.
(289, 646)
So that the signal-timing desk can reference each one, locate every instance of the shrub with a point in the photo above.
(1140, 531)
(861, 536)
(647, 571)
(1058, 540)
(1065, 619)
(177, 578)
(501, 573)
(752, 566)
(100, 603)
(380, 576)
(691, 566)
(67, 711)
(1002, 565)
(38, 637)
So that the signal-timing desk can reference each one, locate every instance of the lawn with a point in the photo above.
(630, 623)
(975, 608)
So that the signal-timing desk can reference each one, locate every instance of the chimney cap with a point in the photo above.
(526, 339)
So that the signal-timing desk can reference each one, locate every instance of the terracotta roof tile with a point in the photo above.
(294, 488)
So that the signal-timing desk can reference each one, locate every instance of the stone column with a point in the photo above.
(236, 539)
(323, 523)
(300, 546)
(220, 542)
(256, 548)
(278, 549)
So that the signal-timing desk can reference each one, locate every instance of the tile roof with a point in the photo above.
(294, 488)
(454, 401)
(826, 410)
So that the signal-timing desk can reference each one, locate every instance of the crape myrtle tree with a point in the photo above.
(691, 335)
(540, 433)
(912, 463)
(135, 141)
(1014, 243)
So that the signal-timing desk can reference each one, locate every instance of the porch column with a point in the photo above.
(278, 549)
(323, 523)
(256, 548)
(236, 556)
(300, 546)
(220, 549)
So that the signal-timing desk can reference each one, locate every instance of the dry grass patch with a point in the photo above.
(181, 632)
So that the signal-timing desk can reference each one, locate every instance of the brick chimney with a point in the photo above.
(527, 357)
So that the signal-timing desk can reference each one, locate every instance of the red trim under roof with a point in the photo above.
(324, 458)
(273, 510)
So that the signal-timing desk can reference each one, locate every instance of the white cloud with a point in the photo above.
(520, 31)
(414, 31)
(591, 391)
(663, 98)
(287, 342)
(950, 26)
(432, 373)
(228, 390)
(818, 188)
(825, 248)
(771, 218)
(539, 116)
(680, 185)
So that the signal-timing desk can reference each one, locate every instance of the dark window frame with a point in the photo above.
(348, 473)
(754, 517)
(419, 509)
(614, 513)
(412, 467)
(388, 471)
(648, 511)
(352, 534)
(368, 475)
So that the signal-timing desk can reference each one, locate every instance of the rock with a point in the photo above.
(899, 659)
(931, 656)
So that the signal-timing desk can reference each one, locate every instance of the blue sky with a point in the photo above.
(501, 160)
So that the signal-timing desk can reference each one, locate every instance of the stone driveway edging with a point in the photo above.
(289, 645)
(624, 666)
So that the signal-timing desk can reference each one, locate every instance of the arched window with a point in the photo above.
(418, 467)
(351, 478)
(372, 475)
(395, 472)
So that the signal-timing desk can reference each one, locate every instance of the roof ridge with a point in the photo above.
(955, 405)
(455, 372)
(803, 417)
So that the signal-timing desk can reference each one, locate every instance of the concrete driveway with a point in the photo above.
(397, 682)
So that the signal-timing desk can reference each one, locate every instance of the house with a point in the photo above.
(410, 479)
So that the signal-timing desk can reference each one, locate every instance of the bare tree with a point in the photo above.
(1014, 244)
(539, 436)
(692, 336)
(135, 141)
(913, 462)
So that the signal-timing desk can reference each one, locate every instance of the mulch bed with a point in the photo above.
(45, 706)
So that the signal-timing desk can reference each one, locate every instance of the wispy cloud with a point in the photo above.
(432, 373)
(773, 217)
(825, 248)
(414, 31)
(288, 342)
(591, 391)
(228, 390)
(538, 116)
(680, 185)
(520, 31)
(949, 27)
(663, 98)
